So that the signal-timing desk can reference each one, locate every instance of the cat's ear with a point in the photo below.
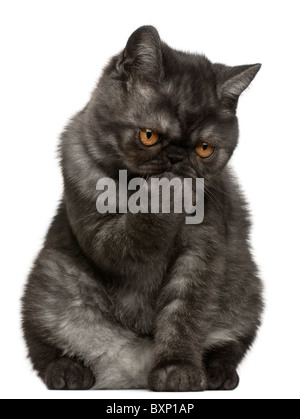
(232, 81)
(142, 57)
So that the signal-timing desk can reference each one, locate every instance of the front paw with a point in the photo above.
(222, 378)
(65, 374)
(177, 377)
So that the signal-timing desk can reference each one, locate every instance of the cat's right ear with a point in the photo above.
(142, 57)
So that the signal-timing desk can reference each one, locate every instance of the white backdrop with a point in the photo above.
(52, 52)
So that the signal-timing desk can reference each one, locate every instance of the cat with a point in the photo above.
(146, 301)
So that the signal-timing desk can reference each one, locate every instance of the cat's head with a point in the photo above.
(161, 110)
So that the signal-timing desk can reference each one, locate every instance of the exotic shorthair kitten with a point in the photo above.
(142, 300)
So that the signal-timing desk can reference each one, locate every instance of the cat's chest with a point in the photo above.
(135, 292)
(135, 311)
(134, 301)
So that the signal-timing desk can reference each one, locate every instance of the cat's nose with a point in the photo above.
(175, 156)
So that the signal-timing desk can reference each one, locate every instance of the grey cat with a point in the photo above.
(129, 301)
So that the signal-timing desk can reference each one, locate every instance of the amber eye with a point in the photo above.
(149, 137)
(205, 150)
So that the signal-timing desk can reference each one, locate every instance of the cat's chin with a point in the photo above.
(155, 169)
(151, 169)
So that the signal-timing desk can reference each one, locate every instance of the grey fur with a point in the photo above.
(143, 300)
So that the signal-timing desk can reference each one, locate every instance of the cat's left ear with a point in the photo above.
(142, 57)
(232, 81)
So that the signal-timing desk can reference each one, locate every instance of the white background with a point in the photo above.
(52, 53)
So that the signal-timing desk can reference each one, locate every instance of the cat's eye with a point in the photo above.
(149, 137)
(205, 150)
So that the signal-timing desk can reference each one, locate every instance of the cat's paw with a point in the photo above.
(177, 377)
(65, 374)
(221, 378)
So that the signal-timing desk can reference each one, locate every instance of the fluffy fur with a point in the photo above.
(144, 300)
